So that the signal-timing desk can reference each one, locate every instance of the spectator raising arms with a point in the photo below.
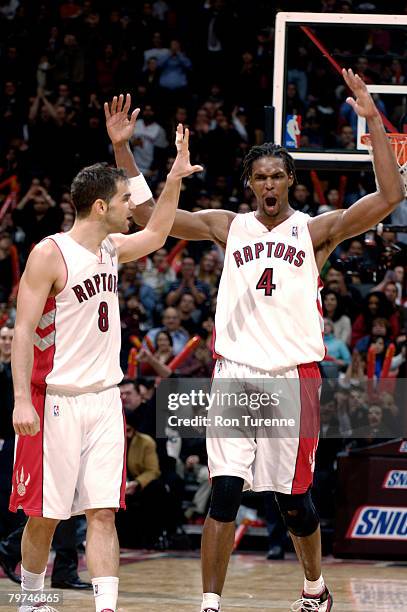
(188, 283)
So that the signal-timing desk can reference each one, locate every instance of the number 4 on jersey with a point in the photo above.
(265, 282)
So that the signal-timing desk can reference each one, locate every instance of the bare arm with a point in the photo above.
(49, 107)
(328, 230)
(36, 284)
(28, 196)
(203, 225)
(161, 369)
(121, 129)
(154, 235)
(174, 296)
(46, 196)
(33, 111)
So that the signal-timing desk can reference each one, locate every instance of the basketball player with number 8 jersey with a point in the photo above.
(70, 451)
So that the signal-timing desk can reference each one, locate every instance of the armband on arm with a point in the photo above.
(140, 192)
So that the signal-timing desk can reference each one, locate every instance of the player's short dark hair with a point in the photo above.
(268, 149)
(92, 183)
(128, 381)
(149, 383)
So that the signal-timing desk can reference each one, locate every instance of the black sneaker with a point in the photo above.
(8, 567)
(275, 553)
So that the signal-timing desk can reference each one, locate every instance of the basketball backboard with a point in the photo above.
(311, 117)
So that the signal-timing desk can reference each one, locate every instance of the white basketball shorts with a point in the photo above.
(77, 461)
(281, 460)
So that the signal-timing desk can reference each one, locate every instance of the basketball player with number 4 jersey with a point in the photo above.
(268, 325)
(70, 451)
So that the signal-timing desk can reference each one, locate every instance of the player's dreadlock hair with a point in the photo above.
(268, 149)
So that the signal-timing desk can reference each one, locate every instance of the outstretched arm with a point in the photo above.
(158, 227)
(202, 225)
(328, 230)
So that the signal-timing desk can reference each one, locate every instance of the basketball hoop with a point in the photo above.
(399, 144)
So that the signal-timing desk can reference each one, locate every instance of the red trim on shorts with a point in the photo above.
(310, 381)
(122, 503)
(28, 475)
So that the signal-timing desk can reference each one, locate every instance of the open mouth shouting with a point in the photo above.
(270, 203)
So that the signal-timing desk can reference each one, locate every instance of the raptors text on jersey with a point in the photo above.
(269, 313)
(77, 341)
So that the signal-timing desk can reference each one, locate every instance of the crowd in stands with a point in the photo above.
(209, 65)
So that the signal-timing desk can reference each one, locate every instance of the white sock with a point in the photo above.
(105, 590)
(314, 587)
(31, 583)
(210, 600)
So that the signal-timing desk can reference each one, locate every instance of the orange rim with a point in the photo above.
(398, 142)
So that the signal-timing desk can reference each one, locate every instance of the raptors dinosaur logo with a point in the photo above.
(22, 482)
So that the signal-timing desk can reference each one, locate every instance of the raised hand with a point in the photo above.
(182, 166)
(364, 105)
(144, 355)
(119, 127)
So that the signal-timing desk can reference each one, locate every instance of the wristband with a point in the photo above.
(140, 192)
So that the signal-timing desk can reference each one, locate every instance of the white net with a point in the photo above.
(399, 144)
(403, 172)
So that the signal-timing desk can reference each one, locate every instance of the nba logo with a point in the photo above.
(293, 131)
(56, 410)
(294, 232)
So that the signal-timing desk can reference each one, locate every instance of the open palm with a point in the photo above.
(119, 127)
(182, 166)
(363, 105)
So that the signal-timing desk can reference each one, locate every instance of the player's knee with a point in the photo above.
(41, 527)
(226, 496)
(103, 518)
(299, 513)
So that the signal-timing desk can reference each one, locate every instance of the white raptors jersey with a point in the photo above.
(77, 341)
(268, 313)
